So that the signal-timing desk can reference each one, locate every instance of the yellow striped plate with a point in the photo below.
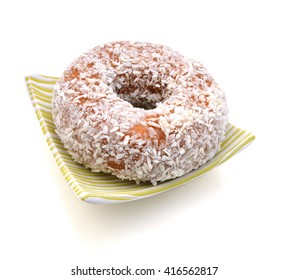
(105, 188)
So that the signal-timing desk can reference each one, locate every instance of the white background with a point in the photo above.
(235, 217)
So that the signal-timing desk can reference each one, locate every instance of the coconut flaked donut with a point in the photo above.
(139, 111)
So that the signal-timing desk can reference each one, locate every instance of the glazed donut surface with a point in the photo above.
(139, 111)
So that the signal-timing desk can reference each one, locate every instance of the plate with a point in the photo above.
(104, 188)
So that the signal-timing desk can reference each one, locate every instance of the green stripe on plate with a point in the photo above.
(105, 188)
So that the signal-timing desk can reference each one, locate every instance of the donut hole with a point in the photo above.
(141, 88)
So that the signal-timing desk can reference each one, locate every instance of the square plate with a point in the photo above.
(105, 188)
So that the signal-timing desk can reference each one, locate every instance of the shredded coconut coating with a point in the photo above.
(139, 111)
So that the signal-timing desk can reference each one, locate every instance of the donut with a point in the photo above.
(139, 111)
